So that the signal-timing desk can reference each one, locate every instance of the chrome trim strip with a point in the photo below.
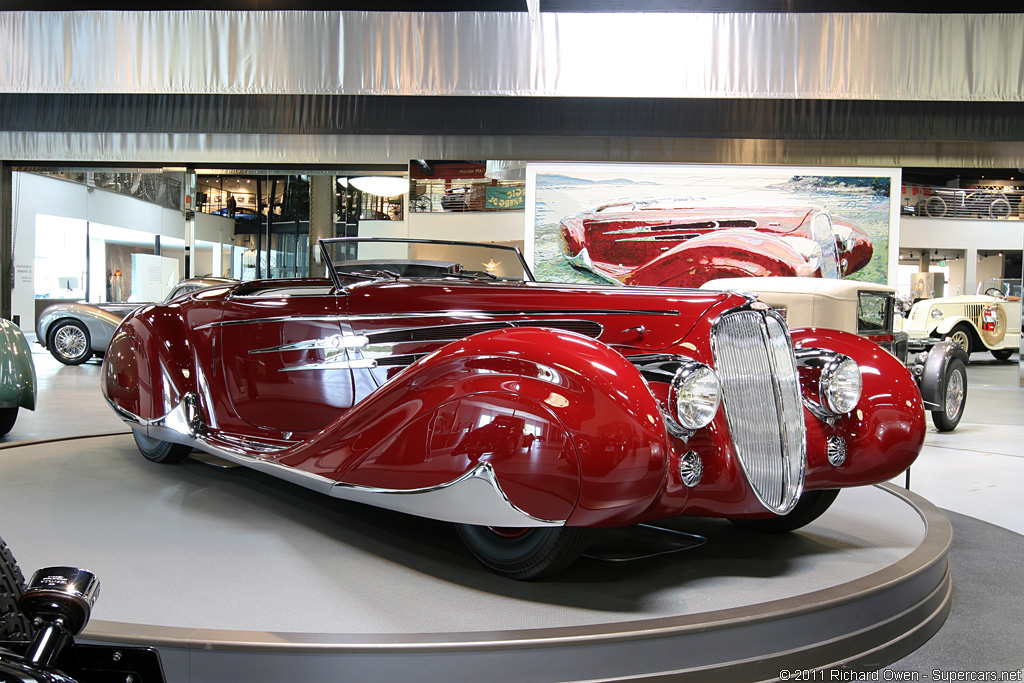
(336, 341)
(562, 324)
(475, 497)
(334, 363)
(429, 314)
(275, 319)
(490, 314)
(474, 491)
(818, 359)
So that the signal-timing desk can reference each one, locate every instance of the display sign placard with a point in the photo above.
(499, 197)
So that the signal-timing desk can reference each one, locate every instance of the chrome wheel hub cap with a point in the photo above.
(954, 394)
(69, 342)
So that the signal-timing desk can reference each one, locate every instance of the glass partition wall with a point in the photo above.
(270, 216)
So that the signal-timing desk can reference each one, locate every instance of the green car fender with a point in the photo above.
(17, 372)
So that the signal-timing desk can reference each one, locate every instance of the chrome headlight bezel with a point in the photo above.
(694, 395)
(840, 385)
(936, 314)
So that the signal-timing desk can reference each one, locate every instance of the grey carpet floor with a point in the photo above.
(985, 629)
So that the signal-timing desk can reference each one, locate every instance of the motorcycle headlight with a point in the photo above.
(695, 395)
(840, 385)
(937, 314)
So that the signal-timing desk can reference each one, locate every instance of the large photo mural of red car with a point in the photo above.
(683, 225)
(685, 244)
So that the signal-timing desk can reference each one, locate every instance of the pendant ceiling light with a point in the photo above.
(382, 186)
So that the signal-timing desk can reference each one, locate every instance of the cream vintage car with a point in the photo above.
(987, 321)
(869, 310)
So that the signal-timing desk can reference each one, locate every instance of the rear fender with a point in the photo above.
(149, 366)
(568, 425)
(100, 323)
(17, 371)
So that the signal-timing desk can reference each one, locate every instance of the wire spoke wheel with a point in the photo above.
(954, 395)
(69, 343)
(961, 337)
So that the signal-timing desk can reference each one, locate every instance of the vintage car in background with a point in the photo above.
(674, 243)
(956, 203)
(438, 379)
(987, 321)
(75, 332)
(871, 311)
(17, 375)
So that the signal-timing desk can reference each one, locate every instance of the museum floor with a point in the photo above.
(976, 474)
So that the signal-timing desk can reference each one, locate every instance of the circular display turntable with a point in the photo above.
(233, 575)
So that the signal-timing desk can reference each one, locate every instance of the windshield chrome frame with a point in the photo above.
(336, 279)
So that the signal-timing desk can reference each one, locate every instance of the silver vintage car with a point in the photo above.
(74, 332)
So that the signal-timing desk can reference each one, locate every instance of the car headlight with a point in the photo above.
(695, 395)
(937, 314)
(840, 385)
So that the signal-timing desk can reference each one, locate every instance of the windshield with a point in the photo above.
(356, 258)
(1004, 286)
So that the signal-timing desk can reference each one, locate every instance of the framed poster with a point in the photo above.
(681, 224)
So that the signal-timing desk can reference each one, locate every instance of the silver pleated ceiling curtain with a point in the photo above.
(867, 56)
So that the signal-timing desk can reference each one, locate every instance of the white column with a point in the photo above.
(971, 271)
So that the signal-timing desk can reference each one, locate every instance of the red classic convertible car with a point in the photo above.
(685, 244)
(439, 379)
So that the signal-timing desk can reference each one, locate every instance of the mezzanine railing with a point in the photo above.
(946, 202)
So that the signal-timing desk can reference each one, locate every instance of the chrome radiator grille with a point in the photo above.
(761, 394)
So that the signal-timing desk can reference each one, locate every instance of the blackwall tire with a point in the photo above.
(156, 450)
(8, 416)
(13, 624)
(1002, 354)
(812, 504)
(954, 396)
(69, 342)
(524, 554)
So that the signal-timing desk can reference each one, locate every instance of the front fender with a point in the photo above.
(932, 372)
(883, 434)
(946, 325)
(17, 371)
(568, 425)
(733, 253)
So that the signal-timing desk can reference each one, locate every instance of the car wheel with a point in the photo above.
(156, 450)
(954, 396)
(999, 208)
(1002, 354)
(812, 504)
(935, 207)
(8, 416)
(13, 624)
(69, 342)
(524, 553)
(961, 336)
